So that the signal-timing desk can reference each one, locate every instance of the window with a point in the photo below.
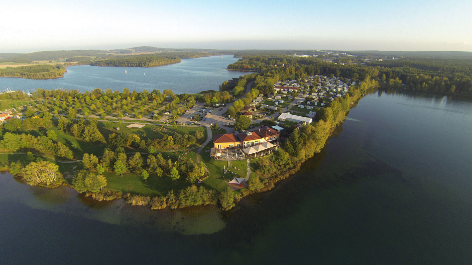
(218, 146)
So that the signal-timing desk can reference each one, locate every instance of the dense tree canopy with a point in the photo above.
(89, 181)
(42, 173)
(242, 123)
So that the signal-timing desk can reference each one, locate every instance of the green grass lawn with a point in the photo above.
(8, 158)
(79, 147)
(301, 111)
(216, 167)
(239, 167)
(155, 131)
(192, 155)
(288, 123)
(7, 104)
(134, 184)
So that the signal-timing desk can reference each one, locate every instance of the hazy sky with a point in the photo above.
(27, 26)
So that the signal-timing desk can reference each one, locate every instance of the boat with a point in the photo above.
(126, 72)
(144, 74)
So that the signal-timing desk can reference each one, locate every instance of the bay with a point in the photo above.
(189, 76)
(391, 187)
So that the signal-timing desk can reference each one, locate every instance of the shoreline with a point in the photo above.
(159, 202)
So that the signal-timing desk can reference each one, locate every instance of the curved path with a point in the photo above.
(248, 169)
(209, 138)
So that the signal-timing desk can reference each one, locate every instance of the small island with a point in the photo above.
(159, 149)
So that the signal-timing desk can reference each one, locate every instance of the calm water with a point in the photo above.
(194, 75)
(393, 187)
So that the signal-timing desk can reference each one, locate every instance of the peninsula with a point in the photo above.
(158, 149)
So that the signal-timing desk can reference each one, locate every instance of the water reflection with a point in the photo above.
(188, 221)
(51, 197)
(94, 204)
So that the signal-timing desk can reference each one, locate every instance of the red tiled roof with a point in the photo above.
(4, 115)
(225, 138)
(248, 114)
(248, 137)
(266, 132)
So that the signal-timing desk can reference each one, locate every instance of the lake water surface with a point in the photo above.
(189, 76)
(392, 187)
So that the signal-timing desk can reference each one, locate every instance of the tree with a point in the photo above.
(231, 112)
(136, 162)
(100, 169)
(152, 163)
(30, 157)
(108, 159)
(72, 113)
(52, 135)
(144, 174)
(199, 135)
(123, 158)
(42, 173)
(120, 168)
(89, 181)
(89, 161)
(174, 174)
(255, 184)
(13, 125)
(242, 123)
(227, 199)
(170, 141)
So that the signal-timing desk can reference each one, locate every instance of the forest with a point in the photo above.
(43, 71)
(138, 61)
(449, 76)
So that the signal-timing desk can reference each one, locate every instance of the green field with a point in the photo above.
(301, 111)
(157, 131)
(79, 147)
(134, 184)
(8, 104)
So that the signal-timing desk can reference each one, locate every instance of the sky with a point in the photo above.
(411, 25)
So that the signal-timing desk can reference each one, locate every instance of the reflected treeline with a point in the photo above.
(419, 95)
(54, 196)
(253, 213)
(92, 203)
(257, 211)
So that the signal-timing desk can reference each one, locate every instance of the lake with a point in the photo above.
(194, 75)
(391, 187)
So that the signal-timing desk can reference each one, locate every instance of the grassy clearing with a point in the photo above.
(8, 104)
(134, 184)
(79, 147)
(216, 180)
(8, 158)
(192, 155)
(301, 111)
(156, 131)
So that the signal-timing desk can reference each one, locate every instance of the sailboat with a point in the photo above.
(144, 74)
(126, 72)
